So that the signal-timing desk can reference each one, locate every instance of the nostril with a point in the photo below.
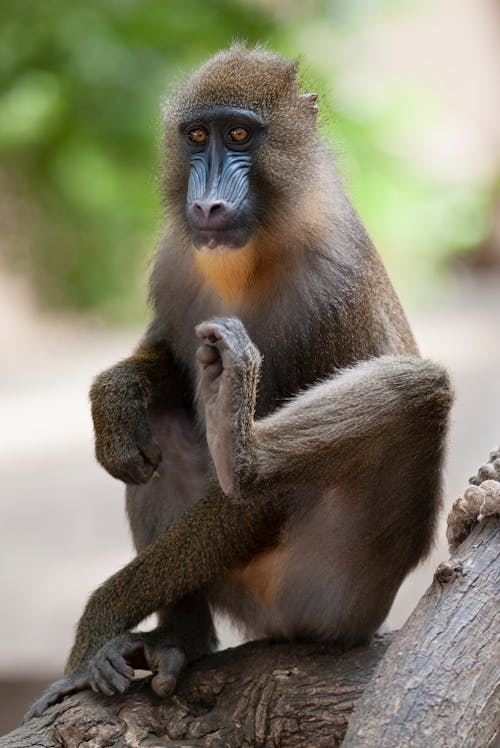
(209, 213)
(200, 208)
(217, 207)
(206, 208)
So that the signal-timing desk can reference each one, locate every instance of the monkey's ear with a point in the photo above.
(308, 100)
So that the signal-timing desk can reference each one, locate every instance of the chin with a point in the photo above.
(220, 241)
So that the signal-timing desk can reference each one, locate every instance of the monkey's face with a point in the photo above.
(220, 144)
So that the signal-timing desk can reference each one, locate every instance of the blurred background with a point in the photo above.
(410, 98)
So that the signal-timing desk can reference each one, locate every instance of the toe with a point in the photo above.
(170, 663)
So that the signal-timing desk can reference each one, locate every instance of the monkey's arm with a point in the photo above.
(323, 435)
(210, 538)
(121, 398)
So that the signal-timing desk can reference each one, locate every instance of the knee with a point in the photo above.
(423, 384)
(434, 389)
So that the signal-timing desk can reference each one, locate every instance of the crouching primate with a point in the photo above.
(280, 438)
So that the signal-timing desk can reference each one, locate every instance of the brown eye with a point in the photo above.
(198, 136)
(238, 134)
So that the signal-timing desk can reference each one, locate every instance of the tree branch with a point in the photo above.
(259, 694)
(436, 685)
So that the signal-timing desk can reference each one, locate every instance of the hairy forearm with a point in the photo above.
(210, 538)
(122, 399)
(137, 378)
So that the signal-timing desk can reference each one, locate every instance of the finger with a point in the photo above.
(212, 371)
(227, 356)
(136, 470)
(217, 336)
(170, 664)
(100, 685)
(207, 330)
(119, 682)
(39, 707)
(121, 666)
(107, 680)
(150, 449)
(224, 344)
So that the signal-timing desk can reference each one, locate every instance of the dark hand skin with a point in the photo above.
(111, 670)
(105, 661)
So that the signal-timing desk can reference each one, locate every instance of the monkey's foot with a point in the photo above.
(231, 365)
(481, 499)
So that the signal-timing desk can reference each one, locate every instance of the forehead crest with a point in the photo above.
(239, 77)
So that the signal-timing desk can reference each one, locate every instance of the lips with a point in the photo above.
(215, 239)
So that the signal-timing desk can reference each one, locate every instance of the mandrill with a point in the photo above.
(279, 435)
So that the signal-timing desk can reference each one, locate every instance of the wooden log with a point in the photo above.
(259, 694)
(439, 683)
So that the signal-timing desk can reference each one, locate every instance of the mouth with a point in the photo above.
(220, 239)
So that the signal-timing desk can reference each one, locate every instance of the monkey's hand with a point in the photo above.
(112, 669)
(124, 442)
(231, 367)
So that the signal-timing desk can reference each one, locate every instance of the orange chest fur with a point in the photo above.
(260, 577)
(237, 275)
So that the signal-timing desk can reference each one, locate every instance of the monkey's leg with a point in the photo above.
(188, 628)
(325, 435)
(373, 434)
(364, 449)
(211, 537)
(228, 386)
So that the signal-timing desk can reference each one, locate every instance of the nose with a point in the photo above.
(210, 214)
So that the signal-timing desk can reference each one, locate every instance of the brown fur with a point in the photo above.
(293, 282)
(339, 447)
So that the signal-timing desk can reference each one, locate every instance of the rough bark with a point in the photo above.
(439, 683)
(259, 694)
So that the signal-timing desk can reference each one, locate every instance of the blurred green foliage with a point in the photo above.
(418, 216)
(79, 128)
(80, 90)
